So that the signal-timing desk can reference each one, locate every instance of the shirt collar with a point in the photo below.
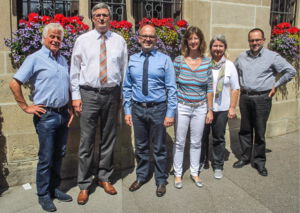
(152, 52)
(48, 52)
(249, 53)
(107, 34)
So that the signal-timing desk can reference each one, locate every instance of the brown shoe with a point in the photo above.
(108, 188)
(83, 197)
(136, 185)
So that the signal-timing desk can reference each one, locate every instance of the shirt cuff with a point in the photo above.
(170, 113)
(76, 95)
(127, 111)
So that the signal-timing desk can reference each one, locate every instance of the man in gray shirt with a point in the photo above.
(257, 70)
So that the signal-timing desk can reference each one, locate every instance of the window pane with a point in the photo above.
(283, 11)
(157, 9)
(47, 7)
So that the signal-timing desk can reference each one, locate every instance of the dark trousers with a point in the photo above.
(102, 104)
(52, 132)
(218, 127)
(255, 110)
(148, 127)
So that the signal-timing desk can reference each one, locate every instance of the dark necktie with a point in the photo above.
(145, 74)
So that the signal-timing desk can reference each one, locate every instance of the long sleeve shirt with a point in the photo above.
(258, 73)
(161, 81)
(48, 76)
(85, 62)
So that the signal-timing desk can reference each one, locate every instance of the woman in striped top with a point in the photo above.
(195, 99)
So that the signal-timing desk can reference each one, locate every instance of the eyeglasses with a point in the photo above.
(148, 36)
(101, 14)
(255, 40)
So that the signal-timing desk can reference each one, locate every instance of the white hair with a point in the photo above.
(52, 26)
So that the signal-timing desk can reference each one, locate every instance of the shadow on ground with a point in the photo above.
(3, 159)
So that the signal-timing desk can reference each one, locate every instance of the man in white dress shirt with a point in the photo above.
(99, 60)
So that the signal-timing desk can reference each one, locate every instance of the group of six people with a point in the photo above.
(195, 92)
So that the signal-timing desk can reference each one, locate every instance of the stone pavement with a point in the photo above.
(240, 191)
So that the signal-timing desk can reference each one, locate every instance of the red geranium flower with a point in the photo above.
(293, 30)
(277, 31)
(283, 25)
(46, 19)
(33, 17)
(181, 23)
(22, 21)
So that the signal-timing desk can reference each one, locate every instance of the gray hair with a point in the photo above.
(102, 6)
(52, 26)
(219, 37)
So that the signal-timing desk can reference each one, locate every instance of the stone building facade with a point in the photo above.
(233, 18)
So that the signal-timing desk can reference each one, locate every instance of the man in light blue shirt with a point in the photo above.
(47, 72)
(150, 102)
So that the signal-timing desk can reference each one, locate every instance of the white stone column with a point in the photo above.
(85, 11)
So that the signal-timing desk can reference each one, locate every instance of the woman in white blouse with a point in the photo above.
(226, 90)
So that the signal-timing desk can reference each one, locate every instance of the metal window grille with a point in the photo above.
(47, 7)
(283, 11)
(157, 9)
(118, 8)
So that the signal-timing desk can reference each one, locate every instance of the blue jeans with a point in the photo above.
(148, 127)
(52, 131)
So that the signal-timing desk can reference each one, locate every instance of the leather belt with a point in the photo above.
(101, 89)
(192, 104)
(249, 92)
(148, 104)
(58, 110)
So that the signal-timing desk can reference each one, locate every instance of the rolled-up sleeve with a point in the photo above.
(284, 67)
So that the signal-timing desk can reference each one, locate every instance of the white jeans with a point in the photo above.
(193, 117)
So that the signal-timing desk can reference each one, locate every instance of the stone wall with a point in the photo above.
(234, 18)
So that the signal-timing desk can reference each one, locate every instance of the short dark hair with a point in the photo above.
(257, 29)
(185, 48)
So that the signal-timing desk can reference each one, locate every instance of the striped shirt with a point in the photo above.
(193, 85)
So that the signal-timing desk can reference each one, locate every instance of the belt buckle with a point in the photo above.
(144, 105)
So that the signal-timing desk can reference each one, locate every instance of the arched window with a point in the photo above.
(283, 11)
(157, 9)
(118, 8)
(47, 7)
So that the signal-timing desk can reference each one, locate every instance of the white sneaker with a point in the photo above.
(218, 174)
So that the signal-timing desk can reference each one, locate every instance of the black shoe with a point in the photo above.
(61, 196)
(240, 164)
(261, 170)
(47, 204)
(136, 185)
(161, 190)
(206, 165)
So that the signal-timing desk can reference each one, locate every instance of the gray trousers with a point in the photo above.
(100, 104)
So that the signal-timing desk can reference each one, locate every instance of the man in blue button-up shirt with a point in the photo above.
(47, 72)
(150, 102)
